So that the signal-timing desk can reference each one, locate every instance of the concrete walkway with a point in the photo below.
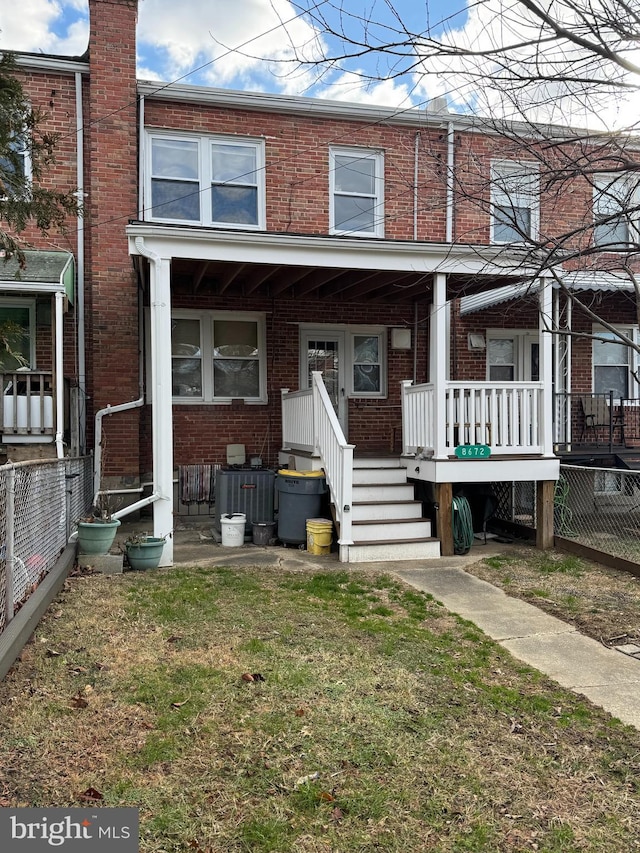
(606, 676)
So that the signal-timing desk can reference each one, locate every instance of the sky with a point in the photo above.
(256, 45)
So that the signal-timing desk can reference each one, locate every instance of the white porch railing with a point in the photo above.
(505, 416)
(310, 424)
(27, 404)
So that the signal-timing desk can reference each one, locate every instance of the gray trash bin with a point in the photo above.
(300, 496)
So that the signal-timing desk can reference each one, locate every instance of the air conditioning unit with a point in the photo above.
(245, 490)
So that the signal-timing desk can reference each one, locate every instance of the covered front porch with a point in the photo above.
(35, 416)
(364, 290)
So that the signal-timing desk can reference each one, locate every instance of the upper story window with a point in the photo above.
(614, 198)
(218, 356)
(15, 168)
(515, 201)
(357, 192)
(207, 180)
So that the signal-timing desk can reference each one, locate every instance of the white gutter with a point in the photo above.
(82, 364)
(416, 150)
(450, 173)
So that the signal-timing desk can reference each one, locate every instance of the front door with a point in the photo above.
(324, 350)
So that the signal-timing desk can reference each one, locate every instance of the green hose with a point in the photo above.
(462, 524)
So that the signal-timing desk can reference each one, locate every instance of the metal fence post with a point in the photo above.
(9, 544)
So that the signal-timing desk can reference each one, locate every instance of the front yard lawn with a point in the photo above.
(263, 710)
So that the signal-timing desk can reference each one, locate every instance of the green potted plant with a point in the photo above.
(143, 551)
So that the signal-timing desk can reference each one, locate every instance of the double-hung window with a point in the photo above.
(218, 356)
(515, 201)
(614, 198)
(357, 192)
(15, 168)
(613, 363)
(206, 180)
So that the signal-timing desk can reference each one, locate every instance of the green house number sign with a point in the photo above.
(473, 451)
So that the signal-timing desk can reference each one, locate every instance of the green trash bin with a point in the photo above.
(300, 495)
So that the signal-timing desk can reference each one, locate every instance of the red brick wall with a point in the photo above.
(201, 432)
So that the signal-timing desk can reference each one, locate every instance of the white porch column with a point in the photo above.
(545, 323)
(161, 406)
(59, 350)
(438, 362)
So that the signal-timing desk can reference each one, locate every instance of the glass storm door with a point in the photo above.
(324, 351)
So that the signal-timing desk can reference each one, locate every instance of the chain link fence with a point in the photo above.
(596, 507)
(39, 505)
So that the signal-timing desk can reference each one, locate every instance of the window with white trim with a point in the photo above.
(515, 201)
(356, 185)
(207, 180)
(218, 356)
(367, 364)
(513, 355)
(613, 363)
(15, 168)
(17, 334)
(614, 197)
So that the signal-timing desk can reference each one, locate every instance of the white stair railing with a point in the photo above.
(337, 460)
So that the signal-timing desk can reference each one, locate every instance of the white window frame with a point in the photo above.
(516, 184)
(205, 178)
(377, 196)
(26, 163)
(604, 185)
(372, 332)
(206, 320)
(632, 333)
(522, 338)
(30, 304)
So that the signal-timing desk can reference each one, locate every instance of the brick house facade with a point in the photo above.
(264, 279)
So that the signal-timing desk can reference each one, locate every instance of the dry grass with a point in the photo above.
(602, 603)
(383, 723)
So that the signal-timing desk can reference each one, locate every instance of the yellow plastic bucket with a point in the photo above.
(319, 535)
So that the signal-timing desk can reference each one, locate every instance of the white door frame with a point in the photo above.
(337, 335)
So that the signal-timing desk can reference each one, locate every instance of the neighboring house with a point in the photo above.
(279, 272)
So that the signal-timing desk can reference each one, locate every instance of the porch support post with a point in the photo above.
(161, 406)
(546, 366)
(59, 368)
(545, 490)
(437, 363)
(444, 520)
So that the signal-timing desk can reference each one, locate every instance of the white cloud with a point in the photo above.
(353, 86)
(40, 26)
(255, 42)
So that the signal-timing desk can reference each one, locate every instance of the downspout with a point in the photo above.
(141, 159)
(416, 149)
(59, 337)
(97, 454)
(450, 172)
(82, 365)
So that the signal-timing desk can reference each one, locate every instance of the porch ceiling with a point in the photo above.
(286, 281)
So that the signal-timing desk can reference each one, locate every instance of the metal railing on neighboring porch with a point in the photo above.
(310, 424)
(505, 416)
(28, 404)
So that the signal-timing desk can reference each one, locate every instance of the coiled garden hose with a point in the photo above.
(462, 524)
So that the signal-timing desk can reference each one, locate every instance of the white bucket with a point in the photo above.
(232, 527)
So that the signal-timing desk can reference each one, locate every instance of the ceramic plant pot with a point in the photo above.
(146, 554)
(96, 537)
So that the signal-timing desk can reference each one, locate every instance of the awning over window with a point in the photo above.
(45, 272)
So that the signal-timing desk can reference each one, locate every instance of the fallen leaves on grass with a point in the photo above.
(90, 795)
